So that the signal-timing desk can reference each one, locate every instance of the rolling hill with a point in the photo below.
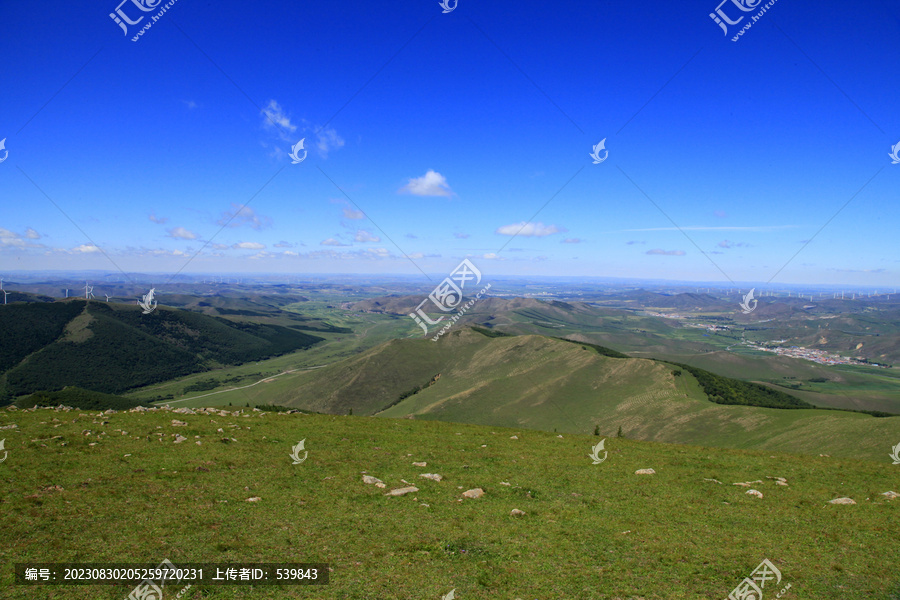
(113, 347)
(550, 384)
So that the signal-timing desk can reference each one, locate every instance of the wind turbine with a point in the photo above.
(5, 294)
(67, 293)
(88, 291)
(107, 297)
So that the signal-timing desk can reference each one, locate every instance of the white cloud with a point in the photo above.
(9, 238)
(364, 236)
(431, 183)
(284, 244)
(274, 118)
(249, 246)
(332, 242)
(379, 252)
(180, 233)
(356, 215)
(86, 248)
(31, 234)
(290, 253)
(665, 252)
(328, 140)
(529, 229)
(243, 215)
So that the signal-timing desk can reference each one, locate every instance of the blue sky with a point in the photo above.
(433, 137)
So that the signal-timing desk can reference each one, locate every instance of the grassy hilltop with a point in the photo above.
(82, 486)
(548, 384)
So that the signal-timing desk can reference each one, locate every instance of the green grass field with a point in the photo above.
(589, 531)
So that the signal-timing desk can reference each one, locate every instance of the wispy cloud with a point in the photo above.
(730, 244)
(180, 233)
(461, 236)
(529, 229)
(328, 140)
(85, 249)
(431, 183)
(158, 220)
(571, 241)
(276, 119)
(238, 216)
(332, 242)
(364, 236)
(662, 252)
(284, 244)
(249, 246)
(633, 242)
(355, 215)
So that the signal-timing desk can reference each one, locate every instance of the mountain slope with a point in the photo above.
(589, 531)
(113, 347)
(547, 384)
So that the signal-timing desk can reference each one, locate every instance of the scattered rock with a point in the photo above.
(183, 411)
(842, 501)
(420, 464)
(826, 455)
(10, 426)
(516, 513)
(781, 483)
(645, 472)
(432, 476)
(179, 438)
(380, 485)
(756, 493)
(371, 480)
(504, 483)
(513, 437)
(177, 423)
(714, 481)
(220, 430)
(742, 484)
(402, 491)
(254, 499)
(198, 442)
(474, 493)
(891, 495)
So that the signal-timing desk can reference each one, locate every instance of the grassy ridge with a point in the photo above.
(546, 384)
(111, 348)
(725, 390)
(592, 532)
